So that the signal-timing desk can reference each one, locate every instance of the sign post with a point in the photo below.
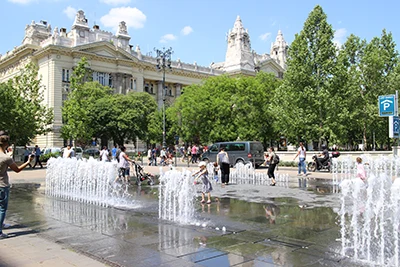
(394, 127)
(388, 107)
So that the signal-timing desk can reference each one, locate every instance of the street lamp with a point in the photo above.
(163, 62)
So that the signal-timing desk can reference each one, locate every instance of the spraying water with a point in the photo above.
(370, 212)
(246, 174)
(177, 196)
(88, 181)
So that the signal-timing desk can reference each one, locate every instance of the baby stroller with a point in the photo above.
(141, 175)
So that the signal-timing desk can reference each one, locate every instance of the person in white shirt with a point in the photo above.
(67, 152)
(123, 165)
(149, 156)
(301, 153)
(104, 154)
(163, 157)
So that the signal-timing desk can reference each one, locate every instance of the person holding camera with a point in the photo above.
(5, 163)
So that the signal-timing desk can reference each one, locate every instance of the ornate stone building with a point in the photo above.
(118, 64)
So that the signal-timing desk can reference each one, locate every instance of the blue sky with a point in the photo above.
(196, 29)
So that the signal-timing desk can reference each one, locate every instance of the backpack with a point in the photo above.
(276, 159)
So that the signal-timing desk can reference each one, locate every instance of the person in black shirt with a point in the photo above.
(323, 157)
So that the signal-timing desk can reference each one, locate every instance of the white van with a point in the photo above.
(239, 151)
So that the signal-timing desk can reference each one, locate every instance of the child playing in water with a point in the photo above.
(360, 170)
(207, 187)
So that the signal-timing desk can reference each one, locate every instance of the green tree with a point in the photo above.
(225, 108)
(303, 99)
(377, 67)
(25, 114)
(123, 118)
(347, 94)
(81, 74)
(79, 111)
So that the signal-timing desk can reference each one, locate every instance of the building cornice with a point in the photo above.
(273, 63)
(125, 58)
(16, 59)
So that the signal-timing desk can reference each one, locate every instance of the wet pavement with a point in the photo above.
(292, 224)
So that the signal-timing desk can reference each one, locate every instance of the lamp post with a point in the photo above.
(163, 62)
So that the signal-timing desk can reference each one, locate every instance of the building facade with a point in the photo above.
(116, 63)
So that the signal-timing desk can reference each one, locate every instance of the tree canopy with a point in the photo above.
(93, 110)
(226, 108)
(25, 114)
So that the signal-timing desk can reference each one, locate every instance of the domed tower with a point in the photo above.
(279, 50)
(239, 57)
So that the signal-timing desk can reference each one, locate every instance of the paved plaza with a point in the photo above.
(292, 224)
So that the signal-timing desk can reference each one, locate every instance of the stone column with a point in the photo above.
(159, 94)
(139, 83)
(178, 89)
(118, 86)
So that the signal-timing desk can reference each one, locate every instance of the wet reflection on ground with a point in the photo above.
(278, 232)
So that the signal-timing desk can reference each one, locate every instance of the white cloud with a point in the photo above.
(132, 16)
(167, 37)
(339, 37)
(115, 2)
(70, 12)
(273, 23)
(24, 2)
(187, 30)
(265, 36)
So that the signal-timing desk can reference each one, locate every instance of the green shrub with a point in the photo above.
(45, 158)
(288, 163)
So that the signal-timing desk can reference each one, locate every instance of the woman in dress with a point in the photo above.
(272, 165)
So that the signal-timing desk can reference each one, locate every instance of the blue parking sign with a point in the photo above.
(394, 127)
(387, 105)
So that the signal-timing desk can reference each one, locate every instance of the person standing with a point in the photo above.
(104, 154)
(27, 153)
(117, 153)
(154, 156)
(224, 165)
(5, 162)
(67, 152)
(194, 154)
(182, 151)
(163, 157)
(123, 165)
(37, 157)
(301, 153)
(360, 170)
(272, 164)
(114, 152)
(207, 187)
(149, 156)
(189, 154)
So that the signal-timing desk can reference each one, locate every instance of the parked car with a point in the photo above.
(92, 151)
(239, 151)
(78, 152)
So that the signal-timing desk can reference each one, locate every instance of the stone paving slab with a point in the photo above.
(25, 248)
